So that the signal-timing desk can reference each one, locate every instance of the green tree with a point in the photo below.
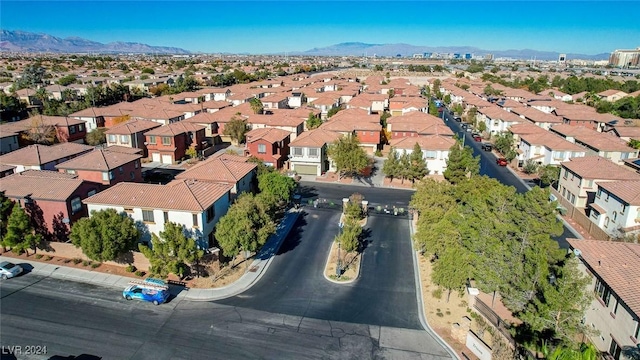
(148, 71)
(6, 206)
(417, 165)
(262, 168)
(277, 184)
(333, 111)
(256, 105)
(191, 152)
(383, 118)
(447, 99)
(391, 165)
(452, 269)
(104, 235)
(349, 157)
(96, 137)
(20, 234)
(236, 129)
(245, 227)
(171, 252)
(461, 164)
(313, 121)
(67, 80)
(549, 175)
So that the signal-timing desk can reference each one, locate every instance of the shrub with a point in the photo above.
(139, 273)
(86, 263)
(47, 258)
(437, 293)
(39, 256)
(95, 265)
(130, 268)
(77, 261)
(66, 261)
(378, 153)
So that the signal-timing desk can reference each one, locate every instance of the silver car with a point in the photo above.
(9, 270)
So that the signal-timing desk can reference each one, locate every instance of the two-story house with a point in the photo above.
(416, 123)
(614, 312)
(308, 152)
(359, 123)
(107, 167)
(196, 205)
(597, 143)
(168, 144)
(435, 150)
(235, 171)
(616, 207)
(283, 120)
(92, 117)
(54, 198)
(546, 148)
(61, 129)
(269, 145)
(579, 178)
(537, 117)
(497, 120)
(43, 157)
(131, 134)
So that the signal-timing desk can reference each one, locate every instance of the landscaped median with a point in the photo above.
(345, 254)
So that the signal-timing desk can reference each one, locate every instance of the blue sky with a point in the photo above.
(587, 27)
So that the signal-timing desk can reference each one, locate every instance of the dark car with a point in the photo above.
(457, 118)
(502, 161)
(487, 146)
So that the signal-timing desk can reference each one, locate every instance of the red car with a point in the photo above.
(477, 138)
(502, 161)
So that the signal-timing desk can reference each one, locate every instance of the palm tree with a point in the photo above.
(256, 105)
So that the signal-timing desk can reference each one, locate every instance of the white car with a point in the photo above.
(9, 270)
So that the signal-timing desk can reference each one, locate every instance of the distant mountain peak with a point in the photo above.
(23, 41)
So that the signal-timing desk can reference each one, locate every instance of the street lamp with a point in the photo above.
(339, 262)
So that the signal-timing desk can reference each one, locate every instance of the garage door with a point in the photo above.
(306, 169)
(166, 159)
(155, 157)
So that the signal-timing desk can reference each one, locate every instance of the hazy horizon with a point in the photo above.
(287, 26)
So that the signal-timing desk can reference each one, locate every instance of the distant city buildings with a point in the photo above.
(625, 58)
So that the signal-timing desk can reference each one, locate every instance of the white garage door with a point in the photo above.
(306, 169)
(155, 157)
(166, 159)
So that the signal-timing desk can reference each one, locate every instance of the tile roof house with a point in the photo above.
(93, 117)
(66, 129)
(597, 143)
(235, 171)
(626, 133)
(614, 312)
(357, 122)
(309, 152)
(168, 144)
(52, 199)
(416, 123)
(616, 207)
(292, 122)
(399, 105)
(546, 148)
(537, 117)
(43, 157)
(131, 134)
(270, 145)
(496, 119)
(583, 115)
(579, 178)
(9, 140)
(197, 205)
(104, 166)
(612, 95)
(435, 150)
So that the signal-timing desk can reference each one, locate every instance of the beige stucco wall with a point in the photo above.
(67, 250)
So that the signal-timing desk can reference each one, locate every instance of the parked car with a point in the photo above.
(502, 161)
(476, 137)
(457, 118)
(149, 289)
(9, 270)
(487, 146)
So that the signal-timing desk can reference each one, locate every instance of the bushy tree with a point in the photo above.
(236, 129)
(391, 165)
(461, 163)
(349, 157)
(96, 137)
(277, 184)
(6, 206)
(20, 234)
(549, 175)
(104, 235)
(256, 105)
(313, 121)
(417, 165)
(40, 132)
(171, 252)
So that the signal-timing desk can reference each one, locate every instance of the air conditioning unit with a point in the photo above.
(577, 252)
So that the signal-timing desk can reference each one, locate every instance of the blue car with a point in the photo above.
(152, 290)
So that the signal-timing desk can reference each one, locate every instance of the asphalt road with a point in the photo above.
(384, 294)
(489, 168)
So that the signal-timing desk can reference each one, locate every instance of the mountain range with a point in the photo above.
(22, 41)
(363, 49)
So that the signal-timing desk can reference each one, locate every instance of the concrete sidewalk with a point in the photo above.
(258, 267)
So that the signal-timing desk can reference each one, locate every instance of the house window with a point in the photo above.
(615, 350)
(614, 216)
(72, 129)
(566, 174)
(113, 138)
(121, 169)
(166, 140)
(431, 154)
(615, 307)
(297, 151)
(147, 216)
(588, 183)
(636, 333)
(195, 220)
(105, 176)
(602, 292)
(313, 152)
(599, 193)
(624, 208)
(606, 222)
(80, 127)
(111, 175)
(166, 216)
(573, 199)
(607, 198)
(76, 205)
(136, 164)
(91, 192)
(211, 213)
(124, 139)
(262, 149)
(69, 171)
(152, 139)
(132, 175)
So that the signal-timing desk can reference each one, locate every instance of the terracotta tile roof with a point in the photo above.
(49, 174)
(526, 128)
(203, 118)
(218, 170)
(229, 157)
(612, 92)
(628, 131)
(327, 99)
(173, 129)
(429, 142)
(551, 141)
(99, 160)
(132, 126)
(39, 186)
(628, 191)
(594, 139)
(617, 264)
(4, 168)
(276, 119)
(494, 112)
(271, 135)
(124, 149)
(535, 115)
(599, 168)
(315, 138)
(26, 124)
(180, 195)
(41, 154)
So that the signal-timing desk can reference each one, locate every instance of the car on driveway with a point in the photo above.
(152, 290)
(502, 161)
(9, 270)
(487, 146)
